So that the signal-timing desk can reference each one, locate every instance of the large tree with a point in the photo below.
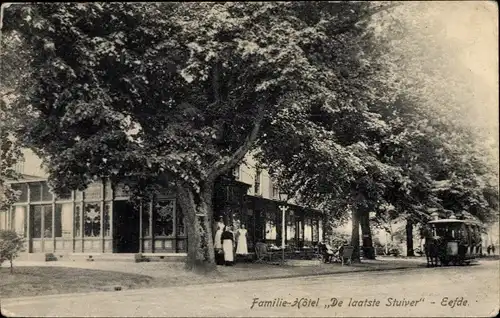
(13, 68)
(177, 93)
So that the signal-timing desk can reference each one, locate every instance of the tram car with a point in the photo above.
(453, 241)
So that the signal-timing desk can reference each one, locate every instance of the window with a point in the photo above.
(78, 212)
(41, 221)
(181, 229)
(46, 194)
(164, 218)
(36, 221)
(19, 223)
(63, 220)
(22, 189)
(146, 218)
(236, 172)
(47, 222)
(92, 219)
(106, 221)
(35, 192)
(256, 189)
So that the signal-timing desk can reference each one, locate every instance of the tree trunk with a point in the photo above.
(355, 235)
(368, 250)
(11, 266)
(198, 215)
(409, 238)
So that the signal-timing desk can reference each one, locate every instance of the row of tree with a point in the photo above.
(176, 94)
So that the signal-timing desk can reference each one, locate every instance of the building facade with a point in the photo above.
(102, 219)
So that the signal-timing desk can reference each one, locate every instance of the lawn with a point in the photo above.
(105, 276)
(45, 280)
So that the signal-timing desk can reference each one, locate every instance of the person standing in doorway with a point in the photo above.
(227, 240)
(242, 247)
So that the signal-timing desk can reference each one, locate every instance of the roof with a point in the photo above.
(454, 221)
(27, 178)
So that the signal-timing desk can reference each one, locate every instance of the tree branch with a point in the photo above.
(9, 92)
(224, 165)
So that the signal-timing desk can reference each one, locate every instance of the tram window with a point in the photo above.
(476, 234)
(444, 231)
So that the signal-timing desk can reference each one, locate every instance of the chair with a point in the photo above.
(262, 253)
(347, 255)
(323, 253)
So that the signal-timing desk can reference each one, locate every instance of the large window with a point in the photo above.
(41, 221)
(19, 223)
(164, 219)
(92, 219)
(63, 226)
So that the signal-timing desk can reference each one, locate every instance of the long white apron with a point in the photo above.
(242, 247)
(217, 239)
(227, 246)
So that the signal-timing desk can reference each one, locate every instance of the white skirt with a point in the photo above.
(217, 242)
(242, 248)
(227, 246)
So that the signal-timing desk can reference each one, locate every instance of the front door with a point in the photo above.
(126, 227)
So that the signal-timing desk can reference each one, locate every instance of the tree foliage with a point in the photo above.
(176, 94)
(179, 93)
(11, 244)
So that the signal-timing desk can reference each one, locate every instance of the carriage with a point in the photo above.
(453, 241)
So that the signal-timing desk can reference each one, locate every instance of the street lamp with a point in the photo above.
(284, 209)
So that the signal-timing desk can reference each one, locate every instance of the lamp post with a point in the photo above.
(283, 209)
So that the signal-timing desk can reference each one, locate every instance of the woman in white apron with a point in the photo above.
(227, 239)
(218, 232)
(218, 243)
(242, 247)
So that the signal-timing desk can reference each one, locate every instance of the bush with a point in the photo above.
(11, 244)
(338, 239)
(394, 249)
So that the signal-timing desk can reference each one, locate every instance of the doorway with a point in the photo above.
(126, 235)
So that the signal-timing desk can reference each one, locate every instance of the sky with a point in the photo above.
(465, 32)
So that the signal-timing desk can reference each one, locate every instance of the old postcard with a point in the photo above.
(249, 159)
